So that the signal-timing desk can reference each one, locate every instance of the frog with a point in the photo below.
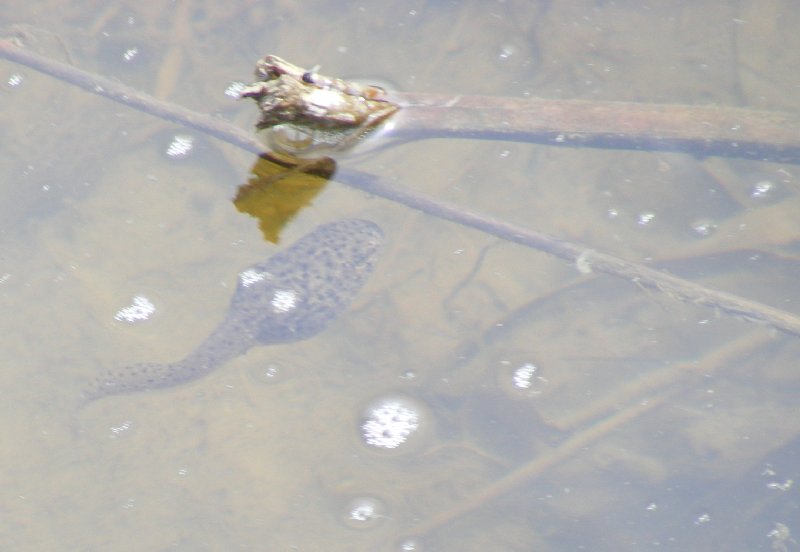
(292, 296)
(320, 113)
(271, 66)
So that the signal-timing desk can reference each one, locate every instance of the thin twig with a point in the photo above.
(587, 259)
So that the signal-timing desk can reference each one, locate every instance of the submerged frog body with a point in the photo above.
(293, 295)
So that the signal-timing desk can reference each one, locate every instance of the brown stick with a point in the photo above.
(663, 384)
(585, 258)
(530, 471)
(694, 129)
(588, 259)
(131, 97)
(699, 130)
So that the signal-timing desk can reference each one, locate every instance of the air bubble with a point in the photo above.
(522, 379)
(393, 423)
(762, 189)
(267, 373)
(644, 219)
(15, 80)
(410, 545)
(234, 89)
(130, 54)
(364, 512)
(506, 52)
(284, 300)
(702, 519)
(407, 375)
(703, 227)
(122, 428)
(180, 146)
(140, 309)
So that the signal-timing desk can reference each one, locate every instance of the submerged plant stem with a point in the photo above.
(672, 286)
(662, 384)
(695, 129)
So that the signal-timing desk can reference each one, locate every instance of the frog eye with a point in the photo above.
(308, 77)
(373, 92)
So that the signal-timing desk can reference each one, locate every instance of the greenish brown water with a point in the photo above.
(93, 213)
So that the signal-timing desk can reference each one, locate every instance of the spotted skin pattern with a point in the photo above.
(293, 295)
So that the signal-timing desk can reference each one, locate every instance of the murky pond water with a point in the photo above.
(477, 394)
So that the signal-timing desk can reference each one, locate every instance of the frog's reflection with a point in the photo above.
(276, 191)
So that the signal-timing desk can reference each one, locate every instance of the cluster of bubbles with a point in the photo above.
(762, 189)
(392, 421)
(180, 146)
(522, 379)
(140, 309)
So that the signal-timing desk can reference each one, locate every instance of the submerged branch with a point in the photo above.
(585, 258)
(131, 97)
(694, 129)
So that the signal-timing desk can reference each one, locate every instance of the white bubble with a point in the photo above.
(15, 80)
(269, 373)
(234, 89)
(391, 422)
(130, 54)
(249, 277)
(180, 146)
(410, 545)
(522, 378)
(284, 300)
(389, 425)
(120, 430)
(140, 310)
(644, 219)
(779, 535)
(364, 512)
(702, 519)
(703, 227)
(506, 51)
(762, 189)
